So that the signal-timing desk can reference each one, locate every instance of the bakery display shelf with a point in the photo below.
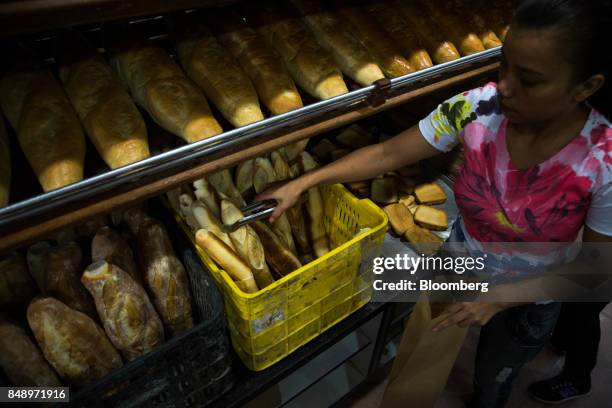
(27, 220)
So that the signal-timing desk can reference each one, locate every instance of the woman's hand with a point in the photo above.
(465, 314)
(286, 194)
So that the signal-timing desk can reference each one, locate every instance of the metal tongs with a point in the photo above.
(252, 212)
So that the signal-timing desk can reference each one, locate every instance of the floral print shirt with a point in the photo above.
(549, 202)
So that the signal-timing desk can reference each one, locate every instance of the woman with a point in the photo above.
(538, 165)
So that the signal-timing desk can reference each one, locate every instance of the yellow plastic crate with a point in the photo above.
(268, 325)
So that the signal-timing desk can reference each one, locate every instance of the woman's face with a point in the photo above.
(535, 81)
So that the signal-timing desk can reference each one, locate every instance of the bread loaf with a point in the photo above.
(210, 66)
(279, 257)
(63, 278)
(477, 21)
(408, 41)
(109, 246)
(228, 260)
(5, 165)
(244, 179)
(384, 190)
(258, 60)
(129, 319)
(223, 183)
(47, 127)
(205, 193)
(165, 277)
(316, 211)
(432, 218)
(160, 87)
(430, 193)
(106, 110)
(423, 240)
(400, 218)
(248, 245)
(16, 284)
(292, 151)
(72, 342)
(311, 66)
(133, 217)
(336, 38)
(202, 218)
(22, 361)
(376, 41)
(440, 48)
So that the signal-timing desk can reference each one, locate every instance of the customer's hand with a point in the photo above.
(465, 314)
(286, 195)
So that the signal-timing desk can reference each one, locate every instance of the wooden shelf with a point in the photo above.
(41, 226)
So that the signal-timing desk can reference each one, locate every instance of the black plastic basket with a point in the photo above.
(190, 370)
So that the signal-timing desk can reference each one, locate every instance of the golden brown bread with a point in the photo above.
(71, 342)
(248, 245)
(336, 38)
(160, 87)
(430, 193)
(129, 319)
(291, 151)
(440, 48)
(316, 210)
(431, 218)
(5, 165)
(258, 60)
(377, 41)
(48, 129)
(278, 255)
(409, 42)
(165, 277)
(400, 218)
(423, 240)
(210, 66)
(22, 361)
(198, 216)
(223, 183)
(244, 179)
(106, 110)
(63, 278)
(16, 284)
(311, 66)
(109, 246)
(228, 260)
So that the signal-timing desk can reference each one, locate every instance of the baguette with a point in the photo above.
(223, 81)
(206, 194)
(227, 260)
(129, 319)
(22, 361)
(335, 37)
(106, 110)
(409, 43)
(165, 277)
(259, 61)
(430, 193)
(377, 41)
(62, 278)
(316, 211)
(244, 179)
(431, 218)
(160, 87)
(47, 127)
(278, 256)
(203, 218)
(247, 244)
(293, 150)
(312, 68)
(72, 342)
(5, 165)
(223, 183)
(400, 218)
(440, 48)
(109, 246)
(16, 284)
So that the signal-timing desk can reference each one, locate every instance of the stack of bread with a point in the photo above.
(256, 254)
(88, 321)
(403, 194)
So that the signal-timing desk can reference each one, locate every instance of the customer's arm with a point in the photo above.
(406, 148)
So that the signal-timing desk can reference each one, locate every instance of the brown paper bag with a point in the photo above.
(424, 359)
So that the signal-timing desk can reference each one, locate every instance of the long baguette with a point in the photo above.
(377, 41)
(5, 165)
(313, 68)
(160, 87)
(335, 37)
(223, 183)
(106, 110)
(244, 179)
(206, 194)
(258, 60)
(316, 210)
(208, 64)
(279, 257)
(205, 219)
(48, 129)
(228, 260)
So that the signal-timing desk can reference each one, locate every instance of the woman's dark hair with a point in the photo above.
(584, 28)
